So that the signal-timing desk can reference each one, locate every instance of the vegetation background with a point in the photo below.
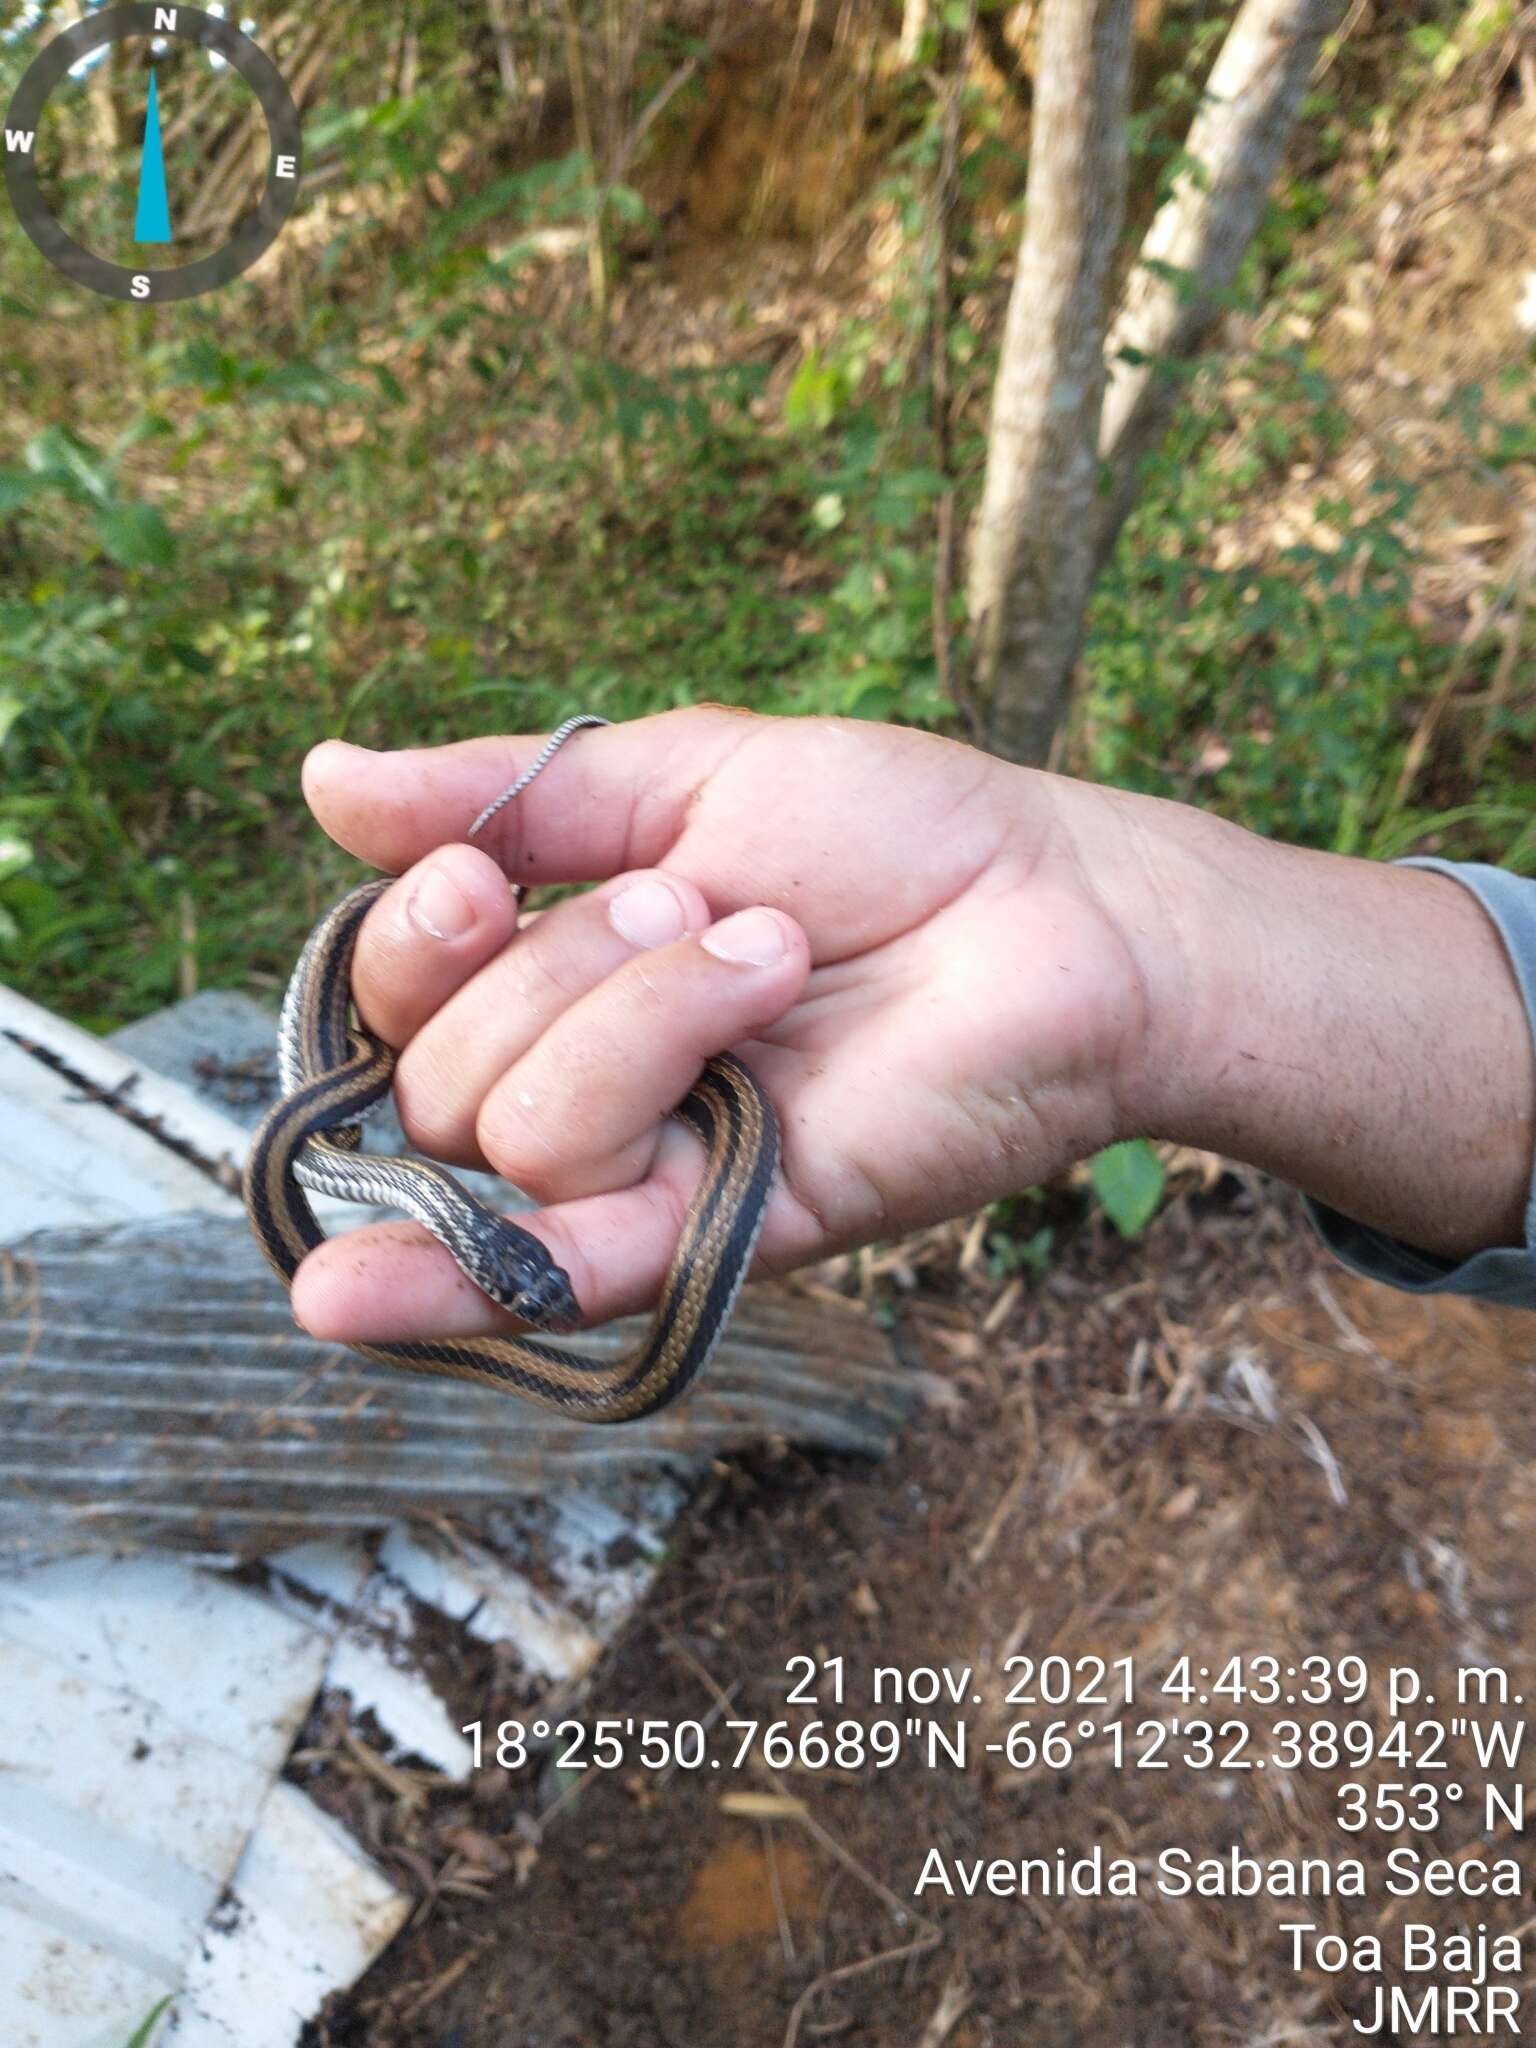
(599, 370)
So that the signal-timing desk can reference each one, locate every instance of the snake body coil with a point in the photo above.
(332, 1072)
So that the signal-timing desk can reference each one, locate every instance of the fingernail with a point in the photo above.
(647, 913)
(439, 907)
(752, 938)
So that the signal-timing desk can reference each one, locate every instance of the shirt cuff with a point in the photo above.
(1504, 1273)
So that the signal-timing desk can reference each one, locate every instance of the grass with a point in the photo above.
(143, 2033)
(404, 581)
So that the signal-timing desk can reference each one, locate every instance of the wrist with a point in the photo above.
(1207, 895)
(1174, 884)
(1160, 879)
(1352, 1026)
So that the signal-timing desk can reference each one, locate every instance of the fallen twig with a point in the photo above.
(954, 2003)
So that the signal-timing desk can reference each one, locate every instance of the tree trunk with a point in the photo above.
(506, 53)
(914, 22)
(1032, 546)
(1194, 246)
(101, 90)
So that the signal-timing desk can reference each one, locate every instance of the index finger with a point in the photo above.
(613, 798)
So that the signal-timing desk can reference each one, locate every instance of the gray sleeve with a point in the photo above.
(1505, 1273)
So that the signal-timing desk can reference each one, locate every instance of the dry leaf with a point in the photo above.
(762, 1806)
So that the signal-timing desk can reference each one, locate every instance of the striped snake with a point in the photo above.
(332, 1072)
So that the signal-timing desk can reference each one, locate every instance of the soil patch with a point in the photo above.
(1213, 1444)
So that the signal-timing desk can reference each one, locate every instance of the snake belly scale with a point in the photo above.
(332, 1072)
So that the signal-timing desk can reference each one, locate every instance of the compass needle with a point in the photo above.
(154, 216)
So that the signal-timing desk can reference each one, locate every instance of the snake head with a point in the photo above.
(515, 1269)
(543, 1297)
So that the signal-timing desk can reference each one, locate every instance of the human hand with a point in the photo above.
(945, 997)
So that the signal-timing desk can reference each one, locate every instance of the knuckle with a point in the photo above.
(515, 1150)
(431, 1112)
(535, 976)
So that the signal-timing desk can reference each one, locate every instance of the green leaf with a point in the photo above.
(140, 2036)
(389, 384)
(811, 402)
(871, 700)
(304, 382)
(62, 457)
(626, 204)
(216, 372)
(1128, 1180)
(136, 536)
(16, 487)
(191, 657)
(148, 426)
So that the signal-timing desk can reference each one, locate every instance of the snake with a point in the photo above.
(332, 1071)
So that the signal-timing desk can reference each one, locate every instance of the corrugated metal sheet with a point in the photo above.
(154, 1389)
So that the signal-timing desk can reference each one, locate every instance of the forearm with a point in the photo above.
(1351, 1026)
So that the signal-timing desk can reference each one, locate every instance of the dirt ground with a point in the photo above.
(1213, 1443)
